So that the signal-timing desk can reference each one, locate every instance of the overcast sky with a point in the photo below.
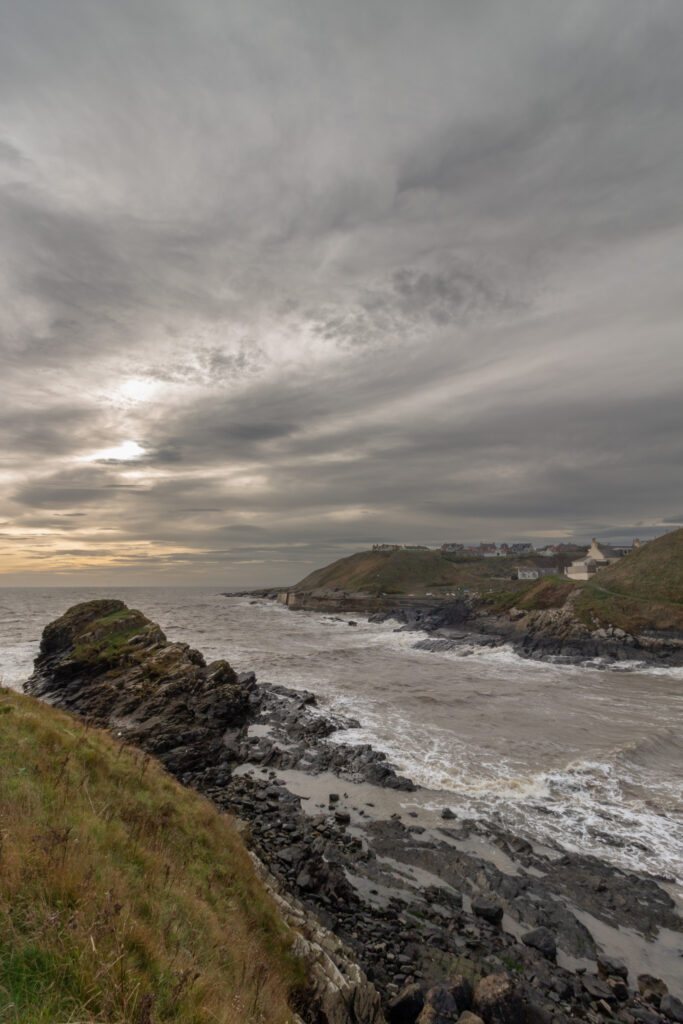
(281, 279)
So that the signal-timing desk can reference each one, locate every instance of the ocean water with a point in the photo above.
(591, 760)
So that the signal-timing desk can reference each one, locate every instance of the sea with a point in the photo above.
(573, 757)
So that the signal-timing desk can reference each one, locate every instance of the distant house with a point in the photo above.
(597, 557)
(452, 548)
(386, 547)
(521, 549)
(415, 547)
(531, 572)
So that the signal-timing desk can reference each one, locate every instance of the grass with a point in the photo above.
(106, 636)
(416, 572)
(596, 607)
(124, 898)
(653, 572)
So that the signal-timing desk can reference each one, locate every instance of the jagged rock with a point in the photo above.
(541, 939)
(113, 666)
(672, 1008)
(652, 989)
(339, 991)
(447, 814)
(497, 1001)
(406, 1006)
(467, 1017)
(487, 909)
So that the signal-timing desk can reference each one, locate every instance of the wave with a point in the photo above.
(661, 749)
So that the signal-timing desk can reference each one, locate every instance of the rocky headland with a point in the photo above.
(403, 915)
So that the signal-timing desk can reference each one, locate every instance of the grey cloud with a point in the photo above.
(343, 271)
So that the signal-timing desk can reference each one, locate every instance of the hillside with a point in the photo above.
(123, 896)
(643, 591)
(653, 572)
(415, 573)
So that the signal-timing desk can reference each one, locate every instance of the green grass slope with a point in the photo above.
(413, 572)
(653, 572)
(123, 896)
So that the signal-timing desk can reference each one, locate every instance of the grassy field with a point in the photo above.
(124, 897)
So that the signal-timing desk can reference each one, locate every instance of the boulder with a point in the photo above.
(487, 909)
(440, 1007)
(672, 1008)
(652, 989)
(644, 1015)
(460, 988)
(406, 1006)
(541, 939)
(609, 967)
(596, 988)
(497, 1001)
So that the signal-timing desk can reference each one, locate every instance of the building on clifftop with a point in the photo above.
(597, 557)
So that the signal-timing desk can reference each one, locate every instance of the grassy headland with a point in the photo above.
(418, 572)
(123, 896)
(643, 591)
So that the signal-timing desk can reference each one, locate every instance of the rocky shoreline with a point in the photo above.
(424, 917)
(551, 634)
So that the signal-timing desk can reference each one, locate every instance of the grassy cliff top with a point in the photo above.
(123, 896)
(644, 590)
(653, 572)
(413, 572)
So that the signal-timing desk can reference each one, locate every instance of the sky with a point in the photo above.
(279, 280)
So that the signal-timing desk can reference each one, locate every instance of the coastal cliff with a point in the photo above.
(404, 916)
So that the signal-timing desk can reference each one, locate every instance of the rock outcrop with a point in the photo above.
(113, 666)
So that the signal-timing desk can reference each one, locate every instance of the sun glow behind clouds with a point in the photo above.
(127, 451)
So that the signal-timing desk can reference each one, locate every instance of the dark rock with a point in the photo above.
(112, 665)
(608, 967)
(406, 1006)
(490, 911)
(497, 1001)
(460, 988)
(342, 817)
(541, 939)
(596, 988)
(620, 988)
(672, 1008)
(644, 1015)
(652, 989)
(447, 814)
(440, 1007)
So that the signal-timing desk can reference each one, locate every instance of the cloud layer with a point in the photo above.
(282, 280)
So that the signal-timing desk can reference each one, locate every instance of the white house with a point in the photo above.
(597, 557)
